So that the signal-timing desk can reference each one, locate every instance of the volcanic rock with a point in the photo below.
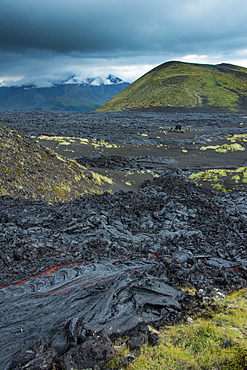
(97, 349)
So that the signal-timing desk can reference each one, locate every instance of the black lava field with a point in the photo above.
(75, 275)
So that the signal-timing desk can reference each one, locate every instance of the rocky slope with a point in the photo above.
(28, 170)
(182, 87)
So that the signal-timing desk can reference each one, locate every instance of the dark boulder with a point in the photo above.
(96, 350)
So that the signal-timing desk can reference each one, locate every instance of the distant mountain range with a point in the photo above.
(70, 95)
(186, 87)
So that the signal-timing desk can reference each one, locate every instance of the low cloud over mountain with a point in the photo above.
(70, 94)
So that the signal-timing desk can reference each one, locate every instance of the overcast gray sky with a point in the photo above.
(46, 41)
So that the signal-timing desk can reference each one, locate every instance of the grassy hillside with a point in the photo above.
(177, 86)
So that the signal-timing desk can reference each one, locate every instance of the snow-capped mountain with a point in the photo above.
(70, 94)
(94, 81)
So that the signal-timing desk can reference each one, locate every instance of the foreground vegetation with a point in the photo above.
(215, 339)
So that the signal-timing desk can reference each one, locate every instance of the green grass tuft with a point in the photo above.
(218, 178)
(60, 191)
(217, 340)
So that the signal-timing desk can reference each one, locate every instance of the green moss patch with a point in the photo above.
(75, 141)
(224, 148)
(60, 191)
(222, 179)
(215, 339)
(238, 137)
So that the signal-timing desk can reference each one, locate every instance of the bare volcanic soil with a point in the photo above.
(76, 274)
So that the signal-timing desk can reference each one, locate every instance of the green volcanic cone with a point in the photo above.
(178, 87)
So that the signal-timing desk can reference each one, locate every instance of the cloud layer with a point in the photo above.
(56, 36)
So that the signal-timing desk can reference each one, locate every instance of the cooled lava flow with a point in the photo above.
(114, 296)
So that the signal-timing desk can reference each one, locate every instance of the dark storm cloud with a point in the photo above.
(42, 40)
(87, 26)
(121, 26)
